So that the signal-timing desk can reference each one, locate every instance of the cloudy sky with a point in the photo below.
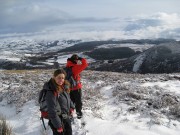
(38, 16)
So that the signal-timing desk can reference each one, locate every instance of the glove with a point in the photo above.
(79, 58)
(60, 130)
(71, 111)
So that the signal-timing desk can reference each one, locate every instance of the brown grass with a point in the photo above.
(5, 129)
(35, 71)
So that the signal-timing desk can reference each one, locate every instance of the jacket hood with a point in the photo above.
(50, 85)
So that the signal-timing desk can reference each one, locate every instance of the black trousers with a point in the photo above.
(76, 99)
(67, 128)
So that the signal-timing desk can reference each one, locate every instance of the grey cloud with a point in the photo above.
(168, 21)
(143, 23)
(35, 17)
(31, 18)
(174, 33)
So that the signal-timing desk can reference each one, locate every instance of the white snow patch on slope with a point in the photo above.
(138, 62)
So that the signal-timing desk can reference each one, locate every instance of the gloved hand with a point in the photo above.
(71, 111)
(60, 130)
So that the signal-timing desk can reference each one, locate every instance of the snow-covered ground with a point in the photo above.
(135, 47)
(16, 50)
(113, 103)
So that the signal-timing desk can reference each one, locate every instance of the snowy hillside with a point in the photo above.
(44, 54)
(114, 103)
(25, 48)
(163, 58)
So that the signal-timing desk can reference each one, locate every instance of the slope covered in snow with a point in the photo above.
(114, 103)
(162, 58)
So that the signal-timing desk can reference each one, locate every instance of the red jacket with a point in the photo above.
(77, 69)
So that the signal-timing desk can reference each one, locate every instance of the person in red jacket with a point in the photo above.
(78, 64)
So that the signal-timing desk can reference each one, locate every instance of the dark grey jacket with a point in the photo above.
(53, 106)
(65, 103)
(56, 104)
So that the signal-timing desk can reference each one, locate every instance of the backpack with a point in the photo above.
(69, 76)
(43, 104)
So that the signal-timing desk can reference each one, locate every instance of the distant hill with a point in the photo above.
(108, 55)
(111, 53)
(88, 46)
(164, 58)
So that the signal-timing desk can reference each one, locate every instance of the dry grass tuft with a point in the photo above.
(5, 129)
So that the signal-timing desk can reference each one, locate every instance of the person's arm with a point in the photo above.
(77, 69)
(52, 114)
(72, 105)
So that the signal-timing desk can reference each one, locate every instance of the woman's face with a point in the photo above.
(59, 79)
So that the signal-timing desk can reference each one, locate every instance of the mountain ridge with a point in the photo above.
(101, 51)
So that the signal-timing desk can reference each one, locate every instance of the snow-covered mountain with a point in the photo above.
(159, 59)
(164, 58)
(113, 103)
(31, 54)
(22, 54)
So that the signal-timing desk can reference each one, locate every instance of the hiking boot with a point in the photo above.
(79, 115)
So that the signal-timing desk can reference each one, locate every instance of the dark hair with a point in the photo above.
(74, 57)
(59, 71)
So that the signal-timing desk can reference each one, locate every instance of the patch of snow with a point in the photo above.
(168, 86)
(138, 62)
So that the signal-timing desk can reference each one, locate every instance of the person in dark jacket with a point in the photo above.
(59, 104)
(78, 64)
